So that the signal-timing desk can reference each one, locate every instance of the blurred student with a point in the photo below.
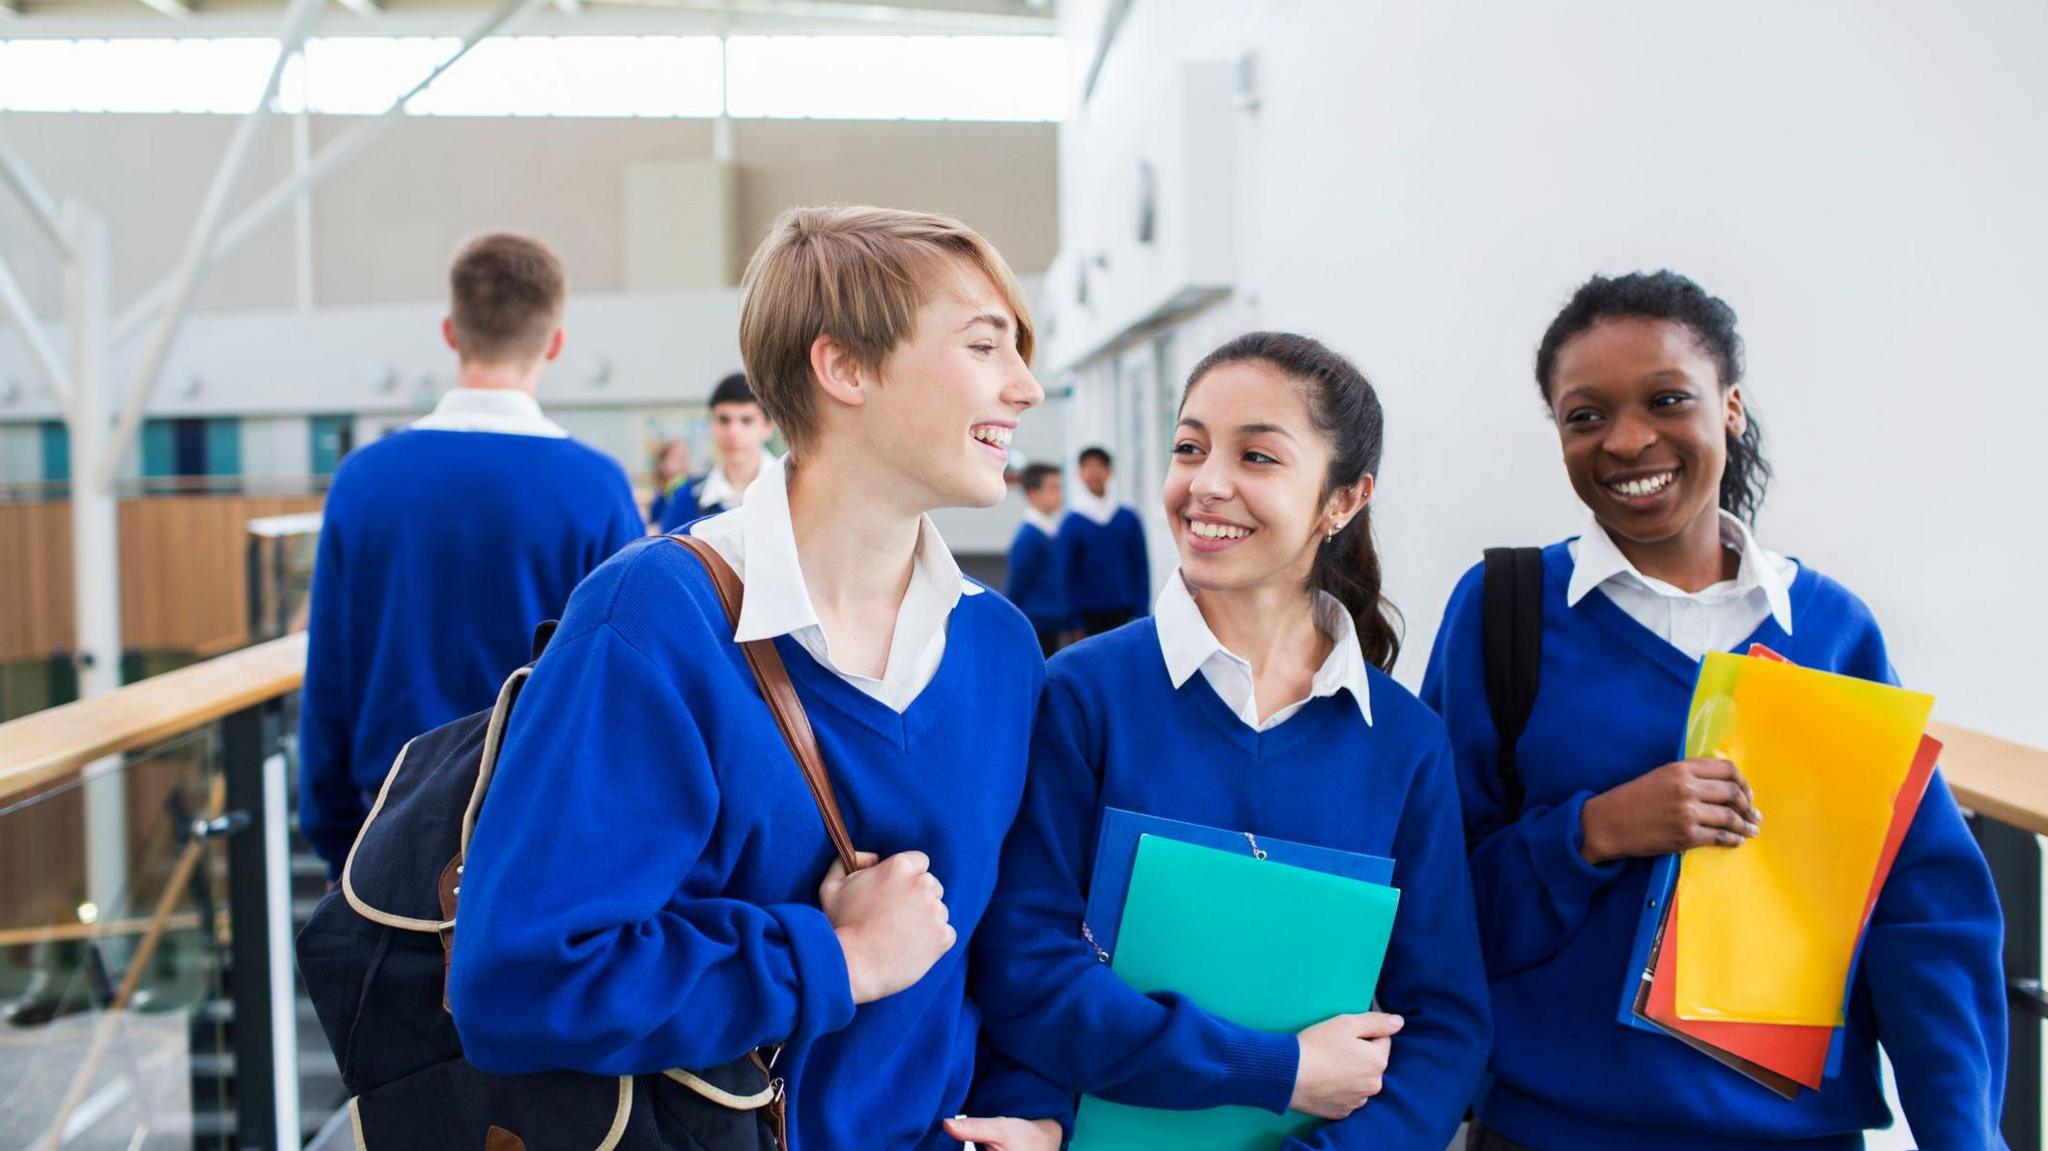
(445, 544)
(741, 429)
(1037, 582)
(1102, 551)
(671, 469)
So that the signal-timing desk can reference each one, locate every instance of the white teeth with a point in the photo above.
(1209, 531)
(1000, 437)
(1647, 486)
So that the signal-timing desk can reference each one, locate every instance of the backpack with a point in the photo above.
(375, 954)
(1511, 631)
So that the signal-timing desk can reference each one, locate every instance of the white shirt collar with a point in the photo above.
(501, 410)
(1101, 509)
(1050, 525)
(718, 490)
(1596, 560)
(759, 540)
(1188, 646)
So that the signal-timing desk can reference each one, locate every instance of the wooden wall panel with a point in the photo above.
(184, 576)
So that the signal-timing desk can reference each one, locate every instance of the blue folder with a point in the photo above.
(1116, 851)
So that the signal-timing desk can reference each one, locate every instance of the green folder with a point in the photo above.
(1265, 944)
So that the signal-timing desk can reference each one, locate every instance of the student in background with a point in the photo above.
(1643, 375)
(446, 544)
(1255, 698)
(741, 429)
(650, 886)
(1102, 550)
(1037, 582)
(671, 470)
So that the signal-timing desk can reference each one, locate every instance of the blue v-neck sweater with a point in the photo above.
(641, 891)
(1557, 930)
(1114, 731)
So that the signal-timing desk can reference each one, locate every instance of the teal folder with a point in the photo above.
(1266, 944)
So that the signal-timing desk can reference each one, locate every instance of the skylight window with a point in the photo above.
(820, 77)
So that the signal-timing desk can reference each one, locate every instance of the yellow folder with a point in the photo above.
(1767, 932)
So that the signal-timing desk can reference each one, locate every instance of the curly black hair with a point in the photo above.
(1666, 295)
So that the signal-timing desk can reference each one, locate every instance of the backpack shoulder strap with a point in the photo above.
(1511, 627)
(788, 709)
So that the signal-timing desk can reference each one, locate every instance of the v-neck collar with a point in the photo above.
(1654, 647)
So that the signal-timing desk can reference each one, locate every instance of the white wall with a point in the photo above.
(1423, 184)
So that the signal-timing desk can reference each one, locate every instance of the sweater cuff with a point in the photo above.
(1263, 1065)
(824, 991)
(1564, 827)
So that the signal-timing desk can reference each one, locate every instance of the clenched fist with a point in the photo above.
(891, 920)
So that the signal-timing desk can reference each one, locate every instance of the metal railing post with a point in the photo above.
(2015, 858)
(259, 906)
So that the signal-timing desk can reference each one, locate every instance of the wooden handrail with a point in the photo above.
(49, 745)
(2003, 780)
(1994, 777)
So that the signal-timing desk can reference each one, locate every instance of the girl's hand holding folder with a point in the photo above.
(1682, 805)
(1343, 1060)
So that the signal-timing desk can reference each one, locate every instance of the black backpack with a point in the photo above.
(374, 958)
(1511, 630)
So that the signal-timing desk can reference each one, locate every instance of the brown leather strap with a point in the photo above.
(773, 680)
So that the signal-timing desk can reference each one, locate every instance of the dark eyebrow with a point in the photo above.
(1265, 429)
(999, 323)
(1243, 429)
(1662, 376)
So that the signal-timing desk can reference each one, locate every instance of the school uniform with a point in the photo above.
(664, 498)
(1102, 551)
(1037, 581)
(1620, 658)
(1158, 717)
(641, 891)
(441, 549)
(705, 495)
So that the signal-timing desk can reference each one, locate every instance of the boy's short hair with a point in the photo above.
(505, 298)
(1096, 454)
(1035, 475)
(859, 274)
(733, 389)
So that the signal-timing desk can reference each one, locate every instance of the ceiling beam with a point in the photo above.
(175, 9)
(367, 9)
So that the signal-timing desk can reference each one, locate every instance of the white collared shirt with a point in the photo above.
(502, 410)
(1050, 525)
(759, 541)
(1714, 618)
(1101, 509)
(1190, 646)
(720, 492)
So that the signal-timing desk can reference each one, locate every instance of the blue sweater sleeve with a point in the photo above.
(1433, 978)
(1004, 1087)
(331, 808)
(1048, 1003)
(623, 524)
(1934, 962)
(1139, 567)
(581, 944)
(1531, 887)
(682, 507)
(1028, 556)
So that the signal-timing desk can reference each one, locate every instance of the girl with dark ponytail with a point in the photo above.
(1643, 378)
(1254, 698)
